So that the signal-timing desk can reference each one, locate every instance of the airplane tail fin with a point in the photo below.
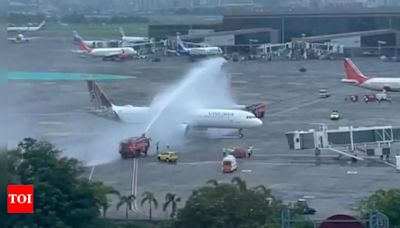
(79, 41)
(43, 23)
(102, 104)
(98, 98)
(121, 31)
(353, 74)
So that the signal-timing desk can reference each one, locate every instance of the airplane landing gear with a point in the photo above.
(240, 133)
(187, 128)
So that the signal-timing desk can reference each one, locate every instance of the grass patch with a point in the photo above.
(95, 31)
(185, 19)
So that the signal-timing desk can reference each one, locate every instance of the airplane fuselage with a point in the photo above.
(22, 29)
(134, 39)
(101, 52)
(379, 84)
(204, 118)
(205, 51)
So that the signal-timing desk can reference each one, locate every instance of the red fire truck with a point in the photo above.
(134, 147)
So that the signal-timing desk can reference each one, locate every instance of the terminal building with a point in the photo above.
(294, 25)
(377, 30)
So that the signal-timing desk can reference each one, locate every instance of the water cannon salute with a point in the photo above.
(171, 113)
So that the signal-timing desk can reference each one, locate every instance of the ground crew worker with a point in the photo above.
(249, 152)
(157, 147)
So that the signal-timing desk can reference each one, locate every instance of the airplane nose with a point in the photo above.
(258, 123)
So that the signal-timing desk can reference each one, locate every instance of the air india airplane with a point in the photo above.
(118, 53)
(354, 75)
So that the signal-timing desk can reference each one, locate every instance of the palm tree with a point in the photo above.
(171, 199)
(263, 190)
(212, 182)
(101, 193)
(241, 184)
(150, 198)
(128, 200)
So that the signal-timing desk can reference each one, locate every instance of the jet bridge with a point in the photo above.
(373, 141)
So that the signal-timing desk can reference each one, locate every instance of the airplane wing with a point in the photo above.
(128, 44)
(32, 38)
(25, 39)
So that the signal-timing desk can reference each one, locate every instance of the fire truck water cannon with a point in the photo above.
(134, 147)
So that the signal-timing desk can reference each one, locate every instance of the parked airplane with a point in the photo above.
(26, 28)
(132, 39)
(354, 75)
(20, 38)
(200, 119)
(120, 53)
(197, 51)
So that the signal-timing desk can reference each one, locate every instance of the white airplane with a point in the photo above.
(200, 119)
(26, 28)
(354, 75)
(197, 51)
(120, 53)
(20, 38)
(132, 39)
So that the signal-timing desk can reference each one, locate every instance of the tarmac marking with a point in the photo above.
(290, 155)
(251, 94)
(198, 163)
(91, 173)
(49, 83)
(281, 163)
(252, 161)
(239, 82)
(309, 197)
(134, 186)
(294, 108)
(268, 76)
(351, 172)
(58, 134)
(48, 114)
(52, 123)
(296, 83)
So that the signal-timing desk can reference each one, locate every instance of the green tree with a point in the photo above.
(386, 202)
(262, 189)
(241, 184)
(230, 205)
(128, 201)
(212, 182)
(173, 200)
(101, 192)
(150, 198)
(62, 198)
